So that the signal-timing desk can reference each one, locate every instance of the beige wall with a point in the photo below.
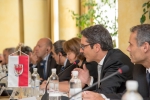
(129, 13)
(26, 25)
(9, 24)
(35, 21)
(67, 28)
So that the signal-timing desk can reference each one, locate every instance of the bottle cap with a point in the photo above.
(54, 70)
(75, 73)
(132, 85)
(34, 69)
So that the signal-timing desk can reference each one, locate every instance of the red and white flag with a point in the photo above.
(18, 69)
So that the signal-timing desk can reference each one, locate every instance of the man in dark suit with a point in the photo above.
(43, 51)
(139, 49)
(96, 45)
(61, 59)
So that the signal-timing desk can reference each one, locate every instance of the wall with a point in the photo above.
(9, 23)
(129, 13)
(67, 26)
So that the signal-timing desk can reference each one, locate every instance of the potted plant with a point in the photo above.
(96, 14)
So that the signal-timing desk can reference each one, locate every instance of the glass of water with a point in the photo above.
(55, 96)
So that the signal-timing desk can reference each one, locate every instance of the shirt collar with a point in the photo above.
(46, 58)
(102, 61)
(65, 62)
(148, 69)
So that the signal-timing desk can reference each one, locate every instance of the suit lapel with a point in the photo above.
(140, 76)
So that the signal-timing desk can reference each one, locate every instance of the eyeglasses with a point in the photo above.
(82, 46)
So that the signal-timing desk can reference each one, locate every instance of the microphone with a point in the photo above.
(121, 70)
(46, 95)
(3, 77)
(75, 63)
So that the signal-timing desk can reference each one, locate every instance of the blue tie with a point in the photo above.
(44, 69)
(62, 68)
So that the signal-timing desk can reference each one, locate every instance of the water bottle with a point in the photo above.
(132, 93)
(53, 81)
(75, 86)
(54, 93)
(35, 82)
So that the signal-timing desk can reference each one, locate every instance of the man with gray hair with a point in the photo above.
(139, 49)
(6, 53)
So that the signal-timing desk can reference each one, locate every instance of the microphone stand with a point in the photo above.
(46, 94)
(95, 83)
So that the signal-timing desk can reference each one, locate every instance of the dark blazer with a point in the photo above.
(115, 59)
(66, 74)
(51, 63)
(139, 75)
(59, 67)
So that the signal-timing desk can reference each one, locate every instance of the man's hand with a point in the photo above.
(83, 74)
(89, 95)
(33, 58)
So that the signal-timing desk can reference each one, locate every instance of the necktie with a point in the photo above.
(99, 73)
(44, 69)
(148, 79)
(62, 68)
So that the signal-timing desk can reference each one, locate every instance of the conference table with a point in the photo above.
(4, 97)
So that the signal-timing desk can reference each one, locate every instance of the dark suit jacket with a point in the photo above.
(139, 75)
(51, 63)
(112, 62)
(59, 67)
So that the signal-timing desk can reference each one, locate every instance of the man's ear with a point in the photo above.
(146, 46)
(97, 47)
(48, 49)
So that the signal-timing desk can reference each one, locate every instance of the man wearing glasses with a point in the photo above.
(96, 45)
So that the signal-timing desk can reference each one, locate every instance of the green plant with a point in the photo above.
(146, 10)
(95, 15)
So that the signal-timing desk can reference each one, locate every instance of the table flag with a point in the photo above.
(18, 69)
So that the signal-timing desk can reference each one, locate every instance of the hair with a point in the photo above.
(10, 50)
(58, 47)
(73, 45)
(143, 33)
(98, 34)
(26, 49)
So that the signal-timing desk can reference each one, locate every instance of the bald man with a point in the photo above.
(43, 50)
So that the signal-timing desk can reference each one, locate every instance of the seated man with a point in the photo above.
(61, 59)
(139, 49)
(43, 51)
(96, 45)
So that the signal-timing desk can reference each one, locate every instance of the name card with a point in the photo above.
(29, 98)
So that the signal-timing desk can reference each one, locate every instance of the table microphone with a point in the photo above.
(121, 70)
(46, 95)
(75, 63)
(3, 77)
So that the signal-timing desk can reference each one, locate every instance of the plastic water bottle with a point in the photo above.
(75, 86)
(54, 93)
(53, 81)
(35, 82)
(132, 93)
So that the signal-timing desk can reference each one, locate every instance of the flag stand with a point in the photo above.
(21, 94)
